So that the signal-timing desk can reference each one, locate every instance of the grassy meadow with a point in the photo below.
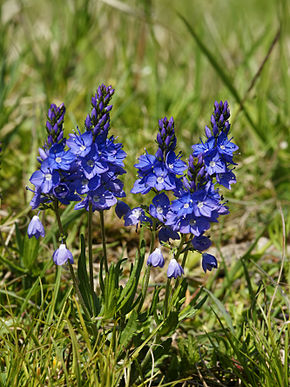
(164, 58)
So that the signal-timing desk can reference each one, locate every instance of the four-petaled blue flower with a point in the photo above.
(80, 144)
(58, 158)
(45, 177)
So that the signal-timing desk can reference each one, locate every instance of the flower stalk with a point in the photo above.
(75, 282)
(90, 245)
(104, 240)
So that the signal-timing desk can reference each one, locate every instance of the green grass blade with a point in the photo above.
(228, 82)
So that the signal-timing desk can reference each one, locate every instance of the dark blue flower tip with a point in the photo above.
(54, 125)
(156, 258)
(62, 255)
(201, 243)
(122, 209)
(174, 269)
(35, 228)
(208, 262)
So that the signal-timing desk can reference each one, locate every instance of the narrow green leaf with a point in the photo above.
(30, 251)
(190, 310)
(91, 300)
(154, 332)
(54, 295)
(13, 266)
(126, 300)
(223, 75)
(130, 330)
(170, 324)
(19, 239)
(222, 309)
(76, 354)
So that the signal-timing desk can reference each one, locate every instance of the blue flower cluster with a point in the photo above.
(82, 168)
(85, 167)
(159, 171)
(197, 202)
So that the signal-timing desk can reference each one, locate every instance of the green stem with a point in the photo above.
(180, 247)
(184, 259)
(147, 272)
(167, 291)
(77, 289)
(144, 287)
(104, 240)
(75, 283)
(90, 245)
(60, 227)
(186, 253)
(153, 237)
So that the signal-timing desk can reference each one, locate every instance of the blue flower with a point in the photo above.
(205, 202)
(204, 148)
(62, 255)
(136, 215)
(35, 228)
(58, 158)
(161, 179)
(114, 153)
(166, 233)
(201, 243)
(93, 163)
(226, 148)
(159, 207)
(80, 144)
(226, 179)
(174, 269)
(140, 186)
(190, 224)
(45, 178)
(174, 164)
(208, 262)
(214, 164)
(122, 209)
(146, 163)
(65, 193)
(38, 198)
(159, 172)
(101, 199)
(183, 205)
(156, 258)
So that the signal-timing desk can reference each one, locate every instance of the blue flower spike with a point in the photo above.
(62, 255)
(156, 258)
(208, 262)
(174, 269)
(35, 228)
